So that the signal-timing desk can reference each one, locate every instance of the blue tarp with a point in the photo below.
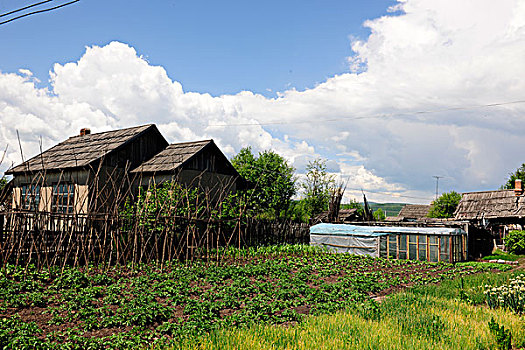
(376, 231)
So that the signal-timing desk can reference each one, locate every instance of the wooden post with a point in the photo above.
(417, 247)
(439, 248)
(387, 246)
(397, 246)
(428, 248)
(450, 249)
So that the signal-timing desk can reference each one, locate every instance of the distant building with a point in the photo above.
(414, 212)
(345, 216)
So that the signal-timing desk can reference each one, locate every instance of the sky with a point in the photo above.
(390, 93)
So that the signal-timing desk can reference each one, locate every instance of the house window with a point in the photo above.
(30, 197)
(63, 198)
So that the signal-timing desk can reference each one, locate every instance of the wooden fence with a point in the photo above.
(51, 239)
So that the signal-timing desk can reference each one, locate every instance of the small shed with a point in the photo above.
(434, 244)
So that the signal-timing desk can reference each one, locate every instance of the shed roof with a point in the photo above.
(79, 151)
(172, 157)
(344, 215)
(490, 205)
(375, 231)
(414, 211)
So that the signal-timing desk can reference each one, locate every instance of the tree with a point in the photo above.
(3, 182)
(518, 174)
(445, 205)
(379, 215)
(273, 182)
(317, 187)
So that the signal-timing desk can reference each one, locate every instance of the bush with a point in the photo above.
(515, 242)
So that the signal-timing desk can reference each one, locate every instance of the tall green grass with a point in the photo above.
(445, 316)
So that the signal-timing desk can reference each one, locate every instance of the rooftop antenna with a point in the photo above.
(437, 183)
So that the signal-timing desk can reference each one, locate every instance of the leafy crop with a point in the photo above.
(147, 304)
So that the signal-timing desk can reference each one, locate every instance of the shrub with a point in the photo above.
(503, 336)
(515, 242)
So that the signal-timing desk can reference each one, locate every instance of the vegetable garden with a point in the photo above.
(125, 307)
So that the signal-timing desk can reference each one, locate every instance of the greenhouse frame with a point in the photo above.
(447, 244)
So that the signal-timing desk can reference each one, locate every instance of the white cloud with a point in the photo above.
(428, 56)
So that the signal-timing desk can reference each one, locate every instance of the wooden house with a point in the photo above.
(84, 173)
(492, 214)
(193, 164)
(74, 176)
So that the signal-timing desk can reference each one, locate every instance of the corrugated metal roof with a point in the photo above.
(375, 231)
(172, 157)
(78, 151)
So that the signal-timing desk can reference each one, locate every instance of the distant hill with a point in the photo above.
(390, 209)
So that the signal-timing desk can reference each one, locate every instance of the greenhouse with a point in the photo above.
(435, 244)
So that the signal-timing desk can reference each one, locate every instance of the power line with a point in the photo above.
(349, 188)
(39, 11)
(24, 8)
(391, 115)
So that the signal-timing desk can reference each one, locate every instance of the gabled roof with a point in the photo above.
(490, 205)
(172, 157)
(345, 215)
(414, 211)
(80, 151)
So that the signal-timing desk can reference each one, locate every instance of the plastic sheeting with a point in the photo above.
(347, 244)
(375, 231)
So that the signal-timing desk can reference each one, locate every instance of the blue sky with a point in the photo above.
(216, 47)
(348, 81)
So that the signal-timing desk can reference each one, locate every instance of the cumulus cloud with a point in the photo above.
(410, 106)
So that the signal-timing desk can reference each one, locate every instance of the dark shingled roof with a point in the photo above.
(345, 215)
(172, 157)
(414, 211)
(79, 151)
(490, 205)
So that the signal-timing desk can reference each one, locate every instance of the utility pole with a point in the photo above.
(437, 183)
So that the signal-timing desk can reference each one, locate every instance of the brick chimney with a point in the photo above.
(518, 190)
(85, 131)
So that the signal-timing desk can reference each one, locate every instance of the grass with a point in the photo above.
(446, 316)
(501, 255)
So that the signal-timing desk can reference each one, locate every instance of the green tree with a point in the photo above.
(273, 182)
(3, 182)
(379, 215)
(518, 174)
(317, 186)
(445, 205)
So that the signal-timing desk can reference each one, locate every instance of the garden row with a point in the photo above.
(452, 315)
(129, 307)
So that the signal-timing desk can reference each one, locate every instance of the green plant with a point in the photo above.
(445, 205)
(317, 187)
(502, 336)
(515, 242)
(510, 295)
(272, 179)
